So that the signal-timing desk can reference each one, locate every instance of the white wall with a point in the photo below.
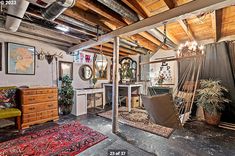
(45, 74)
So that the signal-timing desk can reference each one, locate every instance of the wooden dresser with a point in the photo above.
(38, 105)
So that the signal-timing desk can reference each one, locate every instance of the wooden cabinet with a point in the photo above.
(38, 105)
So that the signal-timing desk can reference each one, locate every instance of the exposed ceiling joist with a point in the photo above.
(169, 3)
(120, 9)
(34, 37)
(135, 49)
(109, 45)
(38, 16)
(182, 12)
(216, 18)
(129, 17)
(90, 50)
(142, 41)
(87, 17)
(101, 11)
(110, 50)
(47, 33)
(161, 36)
(137, 7)
(184, 24)
(150, 37)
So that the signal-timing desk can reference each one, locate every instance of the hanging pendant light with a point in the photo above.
(101, 62)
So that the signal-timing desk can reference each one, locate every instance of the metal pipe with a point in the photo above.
(57, 8)
(15, 13)
(79, 24)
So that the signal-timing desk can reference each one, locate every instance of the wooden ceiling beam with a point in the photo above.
(128, 51)
(137, 7)
(184, 24)
(154, 40)
(216, 18)
(34, 29)
(101, 11)
(182, 12)
(169, 3)
(90, 50)
(144, 42)
(144, 12)
(86, 17)
(120, 9)
(106, 49)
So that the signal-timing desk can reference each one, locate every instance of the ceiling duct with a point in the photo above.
(15, 13)
(80, 24)
(57, 8)
(120, 9)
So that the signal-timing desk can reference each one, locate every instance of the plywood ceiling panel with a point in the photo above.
(177, 31)
(228, 21)
(181, 2)
(202, 28)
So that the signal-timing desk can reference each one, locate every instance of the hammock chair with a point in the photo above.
(174, 109)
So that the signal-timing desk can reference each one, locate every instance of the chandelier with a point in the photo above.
(190, 49)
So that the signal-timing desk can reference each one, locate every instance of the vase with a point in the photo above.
(66, 109)
(212, 119)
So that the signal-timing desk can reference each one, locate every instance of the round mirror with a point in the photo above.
(85, 72)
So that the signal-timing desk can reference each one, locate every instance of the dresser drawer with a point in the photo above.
(29, 92)
(29, 117)
(52, 113)
(42, 115)
(46, 91)
(29, 108)
(39, 98)
(51, 105)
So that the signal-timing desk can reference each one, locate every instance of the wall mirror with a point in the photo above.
(85, 72)
(128, 70)
(100, 67)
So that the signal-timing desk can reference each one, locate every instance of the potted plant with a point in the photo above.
(94, 80)
(211, 97)
(66, 94)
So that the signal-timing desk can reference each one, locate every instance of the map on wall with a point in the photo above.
(20, 59)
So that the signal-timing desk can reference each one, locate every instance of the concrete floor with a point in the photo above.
(195, 138)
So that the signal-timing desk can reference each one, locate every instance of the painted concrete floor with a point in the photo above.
(195, 139)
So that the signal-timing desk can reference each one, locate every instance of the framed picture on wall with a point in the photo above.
(20, 59)
(65, 68)
(0, 56)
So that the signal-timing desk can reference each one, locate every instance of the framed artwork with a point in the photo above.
(20, 59)
(0, 56)
(65, 68)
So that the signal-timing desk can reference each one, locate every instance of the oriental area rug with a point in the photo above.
(138, 118)
(67, 139)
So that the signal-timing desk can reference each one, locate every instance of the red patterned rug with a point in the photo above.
(67, 139)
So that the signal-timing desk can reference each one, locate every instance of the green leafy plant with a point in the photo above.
(94, 80)
(66, 94)
(211, 96)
